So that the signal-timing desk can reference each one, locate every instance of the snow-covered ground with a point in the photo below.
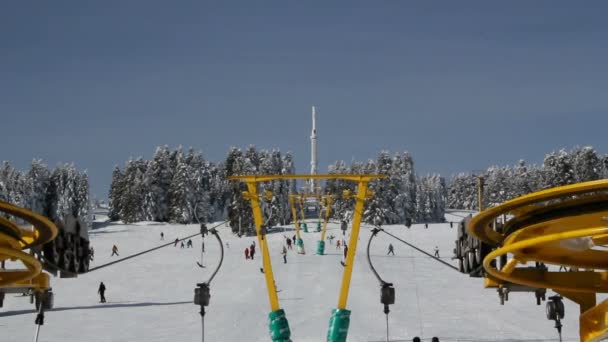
(150, 297)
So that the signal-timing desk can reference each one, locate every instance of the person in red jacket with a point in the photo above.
(252, 250)
(246, 253)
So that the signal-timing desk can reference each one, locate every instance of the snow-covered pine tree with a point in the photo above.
(239, 210)
(134, 189)
(37, 183)
(557, 169)
(336, 187)
(586, 164)
(158, 179)
(181, 195)
(115, 194)
(379, 209)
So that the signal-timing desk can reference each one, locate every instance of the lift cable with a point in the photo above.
(149, 250)
(416, 248)
(387, 291)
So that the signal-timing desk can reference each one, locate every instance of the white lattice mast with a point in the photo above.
(313, 151)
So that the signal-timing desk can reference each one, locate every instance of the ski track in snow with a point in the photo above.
(150, 297)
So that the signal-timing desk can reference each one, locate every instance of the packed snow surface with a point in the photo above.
(150, 298)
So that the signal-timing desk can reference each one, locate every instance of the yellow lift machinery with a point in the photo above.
(325, 202)
(13, 240)
(562, 226)
(340, 319)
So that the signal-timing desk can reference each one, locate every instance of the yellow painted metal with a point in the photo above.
(303, 217)
(481, 224)
(14, 238)
(594, 323)
(328, 203)
(559, 226)
(294, 213)
(259, 221)
(352, 245)
(265, 178)
(362, 195)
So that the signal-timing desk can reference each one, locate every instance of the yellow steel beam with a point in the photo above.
(265, 178)
(574, 281)
(352, 245)
(328, 202)
(259, 221)
(294, 213)
(594, 323)
(46, 230)
(481, 224)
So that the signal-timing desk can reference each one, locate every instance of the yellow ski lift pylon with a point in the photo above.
(558, 226)
(338, 326)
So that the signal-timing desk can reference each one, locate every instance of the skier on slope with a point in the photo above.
(436, 252)
(114, 250)
(284, 253)
(252, 250)
(390, 249)
(101, 291)
(246, 253)
(288, 243)
(176, 241)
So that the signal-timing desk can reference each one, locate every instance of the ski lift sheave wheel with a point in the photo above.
(555, 308)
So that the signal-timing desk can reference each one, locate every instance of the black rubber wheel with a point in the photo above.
(471, 259)
(551, 310)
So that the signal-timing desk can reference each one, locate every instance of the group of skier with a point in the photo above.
(434, 339)
(188, 244)
(250, 251)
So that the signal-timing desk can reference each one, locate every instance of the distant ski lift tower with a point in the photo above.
(313, 152)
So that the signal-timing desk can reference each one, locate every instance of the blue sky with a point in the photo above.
(460, 85)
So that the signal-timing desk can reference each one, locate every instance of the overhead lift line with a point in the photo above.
(416, 248)
(148, 250)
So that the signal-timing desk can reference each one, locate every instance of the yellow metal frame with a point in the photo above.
(565, 237)
(362, 195)
(13, 239)
(328, 202)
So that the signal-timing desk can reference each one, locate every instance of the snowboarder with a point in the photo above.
(182, 245)
(114, 250)
(176, 241)
(390, 249)
(284, 252)
(288, 243)
(252, 250)
(338, 244)
(190, 243)
(436, 252)
(246, 253)
(101, 291)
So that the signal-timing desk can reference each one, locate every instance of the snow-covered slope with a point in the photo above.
(150, 297)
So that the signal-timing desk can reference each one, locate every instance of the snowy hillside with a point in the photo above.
(150, 297)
